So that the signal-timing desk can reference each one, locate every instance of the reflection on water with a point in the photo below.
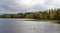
(22, 26)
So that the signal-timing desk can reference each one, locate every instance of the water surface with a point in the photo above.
(25, 26)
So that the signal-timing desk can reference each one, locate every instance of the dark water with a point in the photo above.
(24, 26)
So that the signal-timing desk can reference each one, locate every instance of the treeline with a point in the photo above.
(46, 15)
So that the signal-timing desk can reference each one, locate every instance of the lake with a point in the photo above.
(27, 26)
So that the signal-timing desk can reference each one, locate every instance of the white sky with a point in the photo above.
(14, 6)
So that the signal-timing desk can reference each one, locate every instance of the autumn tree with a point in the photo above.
(52, 14)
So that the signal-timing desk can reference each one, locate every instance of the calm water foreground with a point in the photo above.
(25, 26)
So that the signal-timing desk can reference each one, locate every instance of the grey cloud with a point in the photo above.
(9, 6)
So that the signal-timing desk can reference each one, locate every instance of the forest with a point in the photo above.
(45, 15)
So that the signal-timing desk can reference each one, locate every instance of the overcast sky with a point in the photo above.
(16, 6)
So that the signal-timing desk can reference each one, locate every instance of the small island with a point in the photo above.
(45, 15)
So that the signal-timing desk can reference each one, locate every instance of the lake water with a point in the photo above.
(28, 26)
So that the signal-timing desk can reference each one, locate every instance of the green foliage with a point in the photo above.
(29, 15)
(58, 14)
(16, 16)
(38, 15)
(45, 15)
(6, 16)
